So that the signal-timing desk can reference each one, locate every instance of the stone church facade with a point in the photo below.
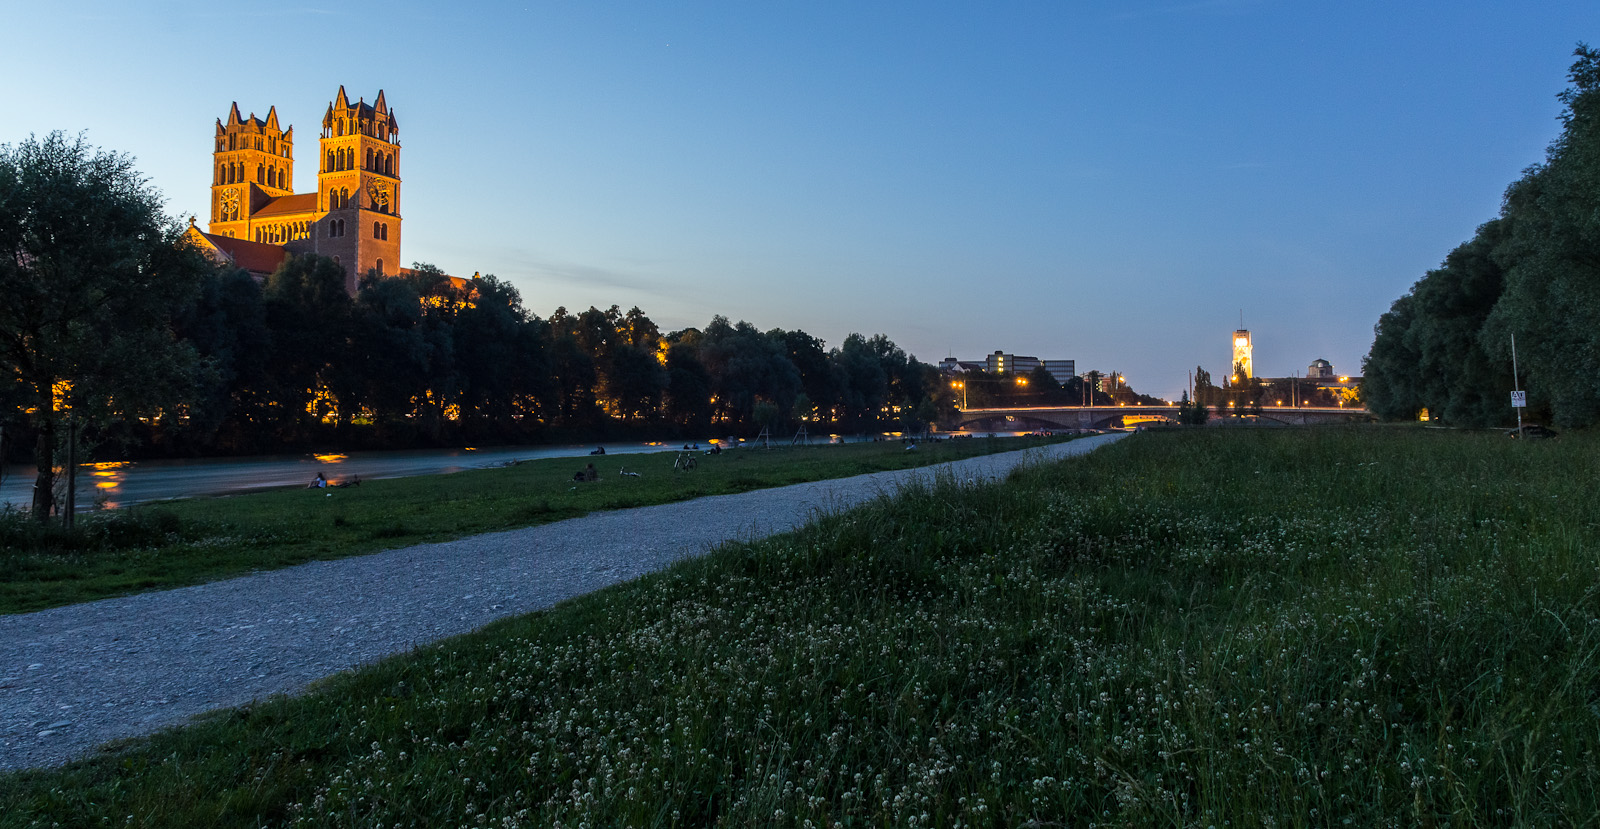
(353, 216)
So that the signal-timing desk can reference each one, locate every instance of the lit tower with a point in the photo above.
(358, 186)
(1241, 353)
(252, 164)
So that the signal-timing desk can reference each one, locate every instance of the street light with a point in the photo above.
(958, 384)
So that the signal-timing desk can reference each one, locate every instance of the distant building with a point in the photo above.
(1320, 369)
(1242, 354)
(1003, 363)
(1061, 370)
(1017, 365)
(951, 365)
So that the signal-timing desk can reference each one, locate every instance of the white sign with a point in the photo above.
(1519, 400)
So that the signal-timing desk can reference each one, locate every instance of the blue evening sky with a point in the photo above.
(1106, 182)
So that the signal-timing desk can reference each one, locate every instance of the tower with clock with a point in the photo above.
(352, 217)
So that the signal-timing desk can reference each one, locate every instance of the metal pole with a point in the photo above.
(1514, 386)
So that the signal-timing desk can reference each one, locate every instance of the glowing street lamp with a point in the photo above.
(959, 384)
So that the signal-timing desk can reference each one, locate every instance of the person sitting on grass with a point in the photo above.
(321, 482)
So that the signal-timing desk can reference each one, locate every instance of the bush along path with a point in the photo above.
(74, 677)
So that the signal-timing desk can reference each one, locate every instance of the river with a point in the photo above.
(115, 484)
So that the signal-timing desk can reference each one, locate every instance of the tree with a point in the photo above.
(1192, 412)
(862, 382)
(746, 367)
(810, 357)
(688, 402)
(311, 317)
(1533, 273)
(1428, 351)
(91, 271)
(1552, 258)
(227, 325)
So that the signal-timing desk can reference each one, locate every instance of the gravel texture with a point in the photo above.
(74, 677)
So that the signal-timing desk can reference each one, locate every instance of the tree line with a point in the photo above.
(424, 359)
(1532, 273)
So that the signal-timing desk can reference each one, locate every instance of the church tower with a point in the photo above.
(252, 164)
(358, 186)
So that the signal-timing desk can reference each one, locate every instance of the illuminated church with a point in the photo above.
(353, 216)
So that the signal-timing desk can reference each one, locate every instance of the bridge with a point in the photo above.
(1049, 418)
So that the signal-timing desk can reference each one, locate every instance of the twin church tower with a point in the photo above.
(353, 216)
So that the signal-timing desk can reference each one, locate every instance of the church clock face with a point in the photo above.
(230, 204)
(379, 191)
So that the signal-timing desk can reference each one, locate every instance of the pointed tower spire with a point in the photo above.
(379, 105)
(233, 114)
(341, 101)
(272, 117)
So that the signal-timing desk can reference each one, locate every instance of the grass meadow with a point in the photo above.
(177, 543)
(1283, 628)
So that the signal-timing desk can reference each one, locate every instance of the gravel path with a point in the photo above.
(74, 677)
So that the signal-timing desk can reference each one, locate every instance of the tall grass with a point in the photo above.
(1355, 627)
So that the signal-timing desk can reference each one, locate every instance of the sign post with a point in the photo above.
(1519, 398)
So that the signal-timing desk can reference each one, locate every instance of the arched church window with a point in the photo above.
(385, 231)
(369, 158)
(329, 167)
(375, 234)
(380, 267)
(261, 174)
(344, 197)
(333, 225)
(341, 227)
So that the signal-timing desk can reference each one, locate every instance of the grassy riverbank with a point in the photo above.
(1362, 627)
(185, 542)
